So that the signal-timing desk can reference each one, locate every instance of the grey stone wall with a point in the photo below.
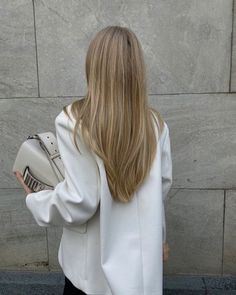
(190, 54)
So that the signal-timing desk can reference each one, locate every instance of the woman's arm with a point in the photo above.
(75, 199)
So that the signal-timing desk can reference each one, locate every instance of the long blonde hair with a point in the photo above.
(116, 122)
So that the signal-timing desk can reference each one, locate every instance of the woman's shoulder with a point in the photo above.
(66, 117)
(165, 132)
(161, 123)
(65, 112)
(65, 124)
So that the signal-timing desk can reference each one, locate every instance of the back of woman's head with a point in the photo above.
(116, 122)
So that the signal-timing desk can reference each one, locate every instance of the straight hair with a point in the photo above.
(115, 120)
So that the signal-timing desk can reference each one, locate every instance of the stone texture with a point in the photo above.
(194, 231)
(230, 234)
(186, 43)
(23, 243)
(18, 71)
(18, 119)
(203, 138)
(233, 70)
(54, 234)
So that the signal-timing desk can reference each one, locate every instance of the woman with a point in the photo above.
(118, 170)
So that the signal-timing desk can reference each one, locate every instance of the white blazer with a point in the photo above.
(106, 247)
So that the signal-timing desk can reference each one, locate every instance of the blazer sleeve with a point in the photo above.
(74, 200)
(166, 172)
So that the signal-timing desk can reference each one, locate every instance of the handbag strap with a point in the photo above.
(48, 143)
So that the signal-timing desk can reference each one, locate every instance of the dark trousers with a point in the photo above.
(70, 289)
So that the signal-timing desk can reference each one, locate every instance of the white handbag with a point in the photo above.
(39, 161)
